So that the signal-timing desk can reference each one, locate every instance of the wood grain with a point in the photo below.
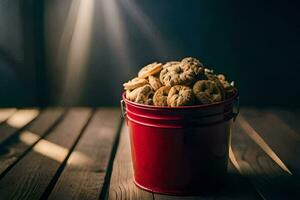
(30, 177)
(15, 148)
(267, 177)
(83, 177)
(45, 166)
(290, 118)
(15, 122)
(280, 137)
(121, 183)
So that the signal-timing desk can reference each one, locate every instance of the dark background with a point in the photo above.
(255, 43)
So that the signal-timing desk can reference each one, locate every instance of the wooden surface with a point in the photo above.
(84, 153)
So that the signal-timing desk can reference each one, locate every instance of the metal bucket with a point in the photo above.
(180, 150)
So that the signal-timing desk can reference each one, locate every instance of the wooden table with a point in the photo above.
(83, 153)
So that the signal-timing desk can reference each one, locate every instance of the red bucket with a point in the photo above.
(180, 150)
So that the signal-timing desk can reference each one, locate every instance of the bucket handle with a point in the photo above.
(236, 108)
(123, 108)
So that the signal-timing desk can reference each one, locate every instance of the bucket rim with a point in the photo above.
(152, 107)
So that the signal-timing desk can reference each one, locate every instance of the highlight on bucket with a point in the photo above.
(179, 116)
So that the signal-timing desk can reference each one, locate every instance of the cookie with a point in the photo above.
(221, 77)
(228, 88)
(178, 83)
(150, 69)
(180, 95)
(192, 61)
(145, 95)
(135, 83)
(177, 75)
(132, 94)
(154, 82)
(210, 76)
(208, 71)
(197, 69)
(207, 91)
(161, 95)
(218, 82)
(171, 63)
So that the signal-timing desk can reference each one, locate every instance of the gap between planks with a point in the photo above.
(279, 136)
(29, 178)
(88, 179)
(17, 146)
(59, 171)
(269, 179)
(16, 122)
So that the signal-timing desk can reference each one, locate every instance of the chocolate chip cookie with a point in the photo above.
(145, 95)
(154, 82)
(185, 72)
(178, 83)
(177, 75)
(227, 87)
(132, 94)
(161, 95)
(180, 95)
(171, 63)
(207, 91)
(192, 61)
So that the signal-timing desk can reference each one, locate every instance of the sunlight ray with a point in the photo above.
(54, 151)
(147, 27)
(78, 53)
(22, 117)
(116, 31)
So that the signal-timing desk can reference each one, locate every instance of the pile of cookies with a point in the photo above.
(178, 83)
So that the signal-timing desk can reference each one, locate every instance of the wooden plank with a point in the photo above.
(121, 183)
(290, 118)
(17, 121)
(84, 175)
(38, 169)
(280, 137)
(257, 166)
(271, 181)
(12, 150)
(5, 113)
